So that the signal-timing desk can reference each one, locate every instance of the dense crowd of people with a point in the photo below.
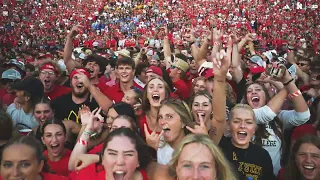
(160, 90)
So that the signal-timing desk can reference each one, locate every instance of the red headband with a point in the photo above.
(49, 66)
(78, 71)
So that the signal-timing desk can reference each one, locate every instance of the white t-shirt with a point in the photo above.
(164, 154)
(273, 145)
(21, 119)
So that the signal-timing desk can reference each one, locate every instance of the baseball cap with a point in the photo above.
(11, 74)
(15, 62)
(31, 85)
(181, 64)
(257, 69)
(257, 60)
(155, 69)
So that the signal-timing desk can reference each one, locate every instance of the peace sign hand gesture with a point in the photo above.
(199, 129)
(95, 122)
(153, 139)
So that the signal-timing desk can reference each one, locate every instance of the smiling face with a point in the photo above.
(93, 69)
(156, 92)
(242, 127)
(201, 106)
(308, 161)
(256, 97)
(78, 88)
(171, 124)
(126, 73)
(43, 113)
(199, 86)
(48, 79)
(196, 162)
(18, 165)
(54, 139)
(120, 158)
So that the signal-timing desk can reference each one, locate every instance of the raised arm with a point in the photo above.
(92, 123)
(237, 73)
(68, 48)
(221, 64)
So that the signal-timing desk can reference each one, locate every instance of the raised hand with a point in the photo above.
(222, 61)
(84, 114)
(153, 139)
(199, 129)
(95, 122)
(75, 30)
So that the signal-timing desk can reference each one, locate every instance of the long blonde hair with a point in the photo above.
(222, 167)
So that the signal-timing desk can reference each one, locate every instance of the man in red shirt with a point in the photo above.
(48, 75)
(125, 69)
(178, 70)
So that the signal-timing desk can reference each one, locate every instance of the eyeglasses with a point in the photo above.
(302, 64)
(50, 73)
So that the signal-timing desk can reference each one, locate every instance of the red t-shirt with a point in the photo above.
(97, 149)
(181, 89)
(58, 91)
(142, 121)
(116, 94)
(60, 167)
(96, 172)
(49, 176)
(102, 86)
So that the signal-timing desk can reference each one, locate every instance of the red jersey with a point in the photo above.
(116, 94)
(181, 89)
(60, 167)
(97, 149)
(96, 172)
(58, 91)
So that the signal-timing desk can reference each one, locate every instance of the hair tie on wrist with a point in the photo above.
(286, 83)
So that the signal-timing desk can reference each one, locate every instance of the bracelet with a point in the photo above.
(87, 133)
(295, 94)
(83, 142)
(289, 51)
(286, 83)
(191, 43)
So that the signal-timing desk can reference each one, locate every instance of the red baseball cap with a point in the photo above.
(155, 69)
(257, 69)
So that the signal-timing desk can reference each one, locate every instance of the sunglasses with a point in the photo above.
(173, 67)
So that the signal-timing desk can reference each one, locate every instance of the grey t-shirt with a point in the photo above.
(21, 120)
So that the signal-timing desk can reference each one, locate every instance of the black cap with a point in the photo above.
(31, 85)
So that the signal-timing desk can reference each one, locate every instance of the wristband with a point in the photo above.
(289, 51)
(83, 142)
(286, 83)
(87, 133)
(295, 94)
(191, 43)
